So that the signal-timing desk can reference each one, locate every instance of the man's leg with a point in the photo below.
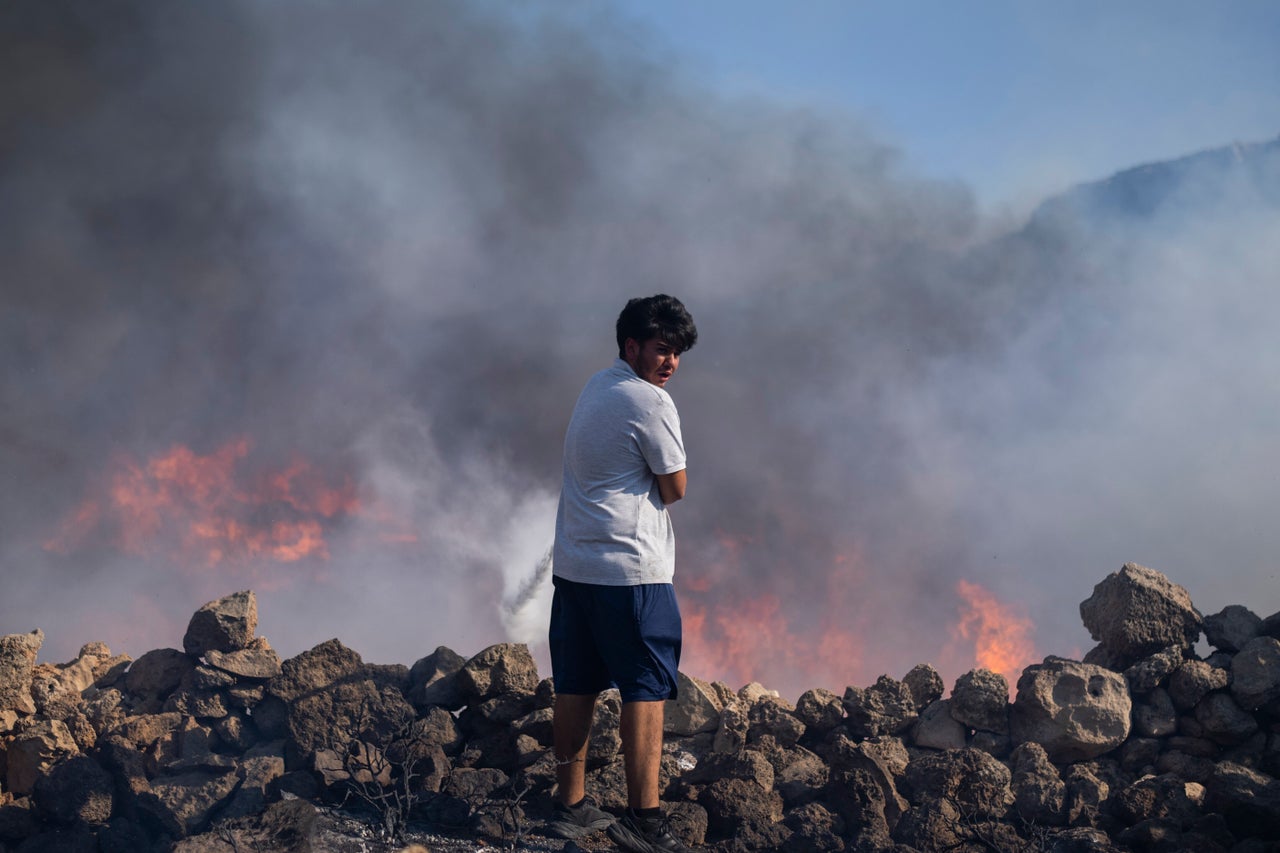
(571, 728)
(642, 751)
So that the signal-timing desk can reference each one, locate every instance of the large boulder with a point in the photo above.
(1137, 611)
(17, 660)
(257, 664)
(980, 700)
(77, 790)
(1194, 680)
(885, 708)
(1230, 628)
(333, 717)
(433, 680)
(1249, 800)
(1039, 794)
(695, 709)
(938, 729)
(315, 669)
(36, 747)
(225, 625)
(820, 710)
(1255, 673)
(1076, 711)
(157, 673)
(968, 779)
(500, 669)
(182, 804)
(926, 685)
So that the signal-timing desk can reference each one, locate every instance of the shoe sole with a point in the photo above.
(564, 829)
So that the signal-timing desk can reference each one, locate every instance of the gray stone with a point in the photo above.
(1224, 721)
(1039, 794)
(731, 733)
(1194, 680)
(182, 804)
(926, 685)
(317, 668)
(1149, 673)
(774, 717)
(77, 790)
(970, 779)
(937, 729)
(883, 759)
(36, 748)
(1249, 800)
(433, 680)
(499, 669)
(224, 625)
(1154, 715)
(885, 708)
(980, 700)
(17, 661)
(1230, 628)
(1255, 673)
(350, 710)
(820, 710)
(1137, 611)
(695, 709)
(158, 673)
(260, 664)
(1076, 711)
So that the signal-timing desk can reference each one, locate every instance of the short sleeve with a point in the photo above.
(660, 441)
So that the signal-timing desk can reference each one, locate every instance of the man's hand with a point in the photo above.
(671, 486)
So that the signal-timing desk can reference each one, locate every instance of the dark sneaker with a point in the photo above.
(582, 819)
(646, 835)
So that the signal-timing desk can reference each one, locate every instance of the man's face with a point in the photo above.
(654, 361)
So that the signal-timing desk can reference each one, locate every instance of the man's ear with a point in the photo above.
(631, 347)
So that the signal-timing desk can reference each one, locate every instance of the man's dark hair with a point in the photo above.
(660, 316)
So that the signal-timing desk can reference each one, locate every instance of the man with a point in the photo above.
(614, 617)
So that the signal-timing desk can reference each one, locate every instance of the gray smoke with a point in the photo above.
(391, 239)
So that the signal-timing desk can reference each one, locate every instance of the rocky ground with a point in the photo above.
(221, 746)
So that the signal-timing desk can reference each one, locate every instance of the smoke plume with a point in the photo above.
(369, 253)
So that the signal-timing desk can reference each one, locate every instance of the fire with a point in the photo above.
(210, 509)
(1001, 636)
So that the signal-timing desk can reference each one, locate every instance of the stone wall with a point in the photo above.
(1143, 745)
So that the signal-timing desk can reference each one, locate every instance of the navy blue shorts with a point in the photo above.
(615, 636)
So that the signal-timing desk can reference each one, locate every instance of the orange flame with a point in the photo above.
(1001, 636)
(208, 509)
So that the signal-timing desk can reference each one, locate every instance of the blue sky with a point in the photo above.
(1016, 99)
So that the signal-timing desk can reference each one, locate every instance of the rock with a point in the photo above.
(433, 680)
(1271, 626)
(885, 708)
(925, 684)
(937, 729)
(820, 710)
(1086, 792)
(980, 700)
(813, 828)
(1154, 716)
(317, 668)
(1165, 797)
(260, 664)
(883, 759)
(695, 709)
(77, 790)
(182, 804)
(1076, 711)
(1137, 611)
(737, 808)
(1039, 794)
(731, 734)
(1230, 628)
(749, 765)
(74, 839)
(1255, 673)
(355, 710)
(1250, 801)
(1139, 755)
(17, 820)
(753, 692)
(774, 717)
(36, 748)
(437, 727)
(17, 661)
(606, 724)
(1149, 673)
(1224, 721)
(158, 673)
(1192, 681)
(224, 625)
(474, 785)
(236, 732)
(360, 762)
(499, 669)
(1081, 840)
(800, 777)
(970, 779)
(857, 796)
(257, 771)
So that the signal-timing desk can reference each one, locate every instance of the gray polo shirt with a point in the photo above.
(612, 527)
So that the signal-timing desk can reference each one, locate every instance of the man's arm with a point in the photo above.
(671, 486)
